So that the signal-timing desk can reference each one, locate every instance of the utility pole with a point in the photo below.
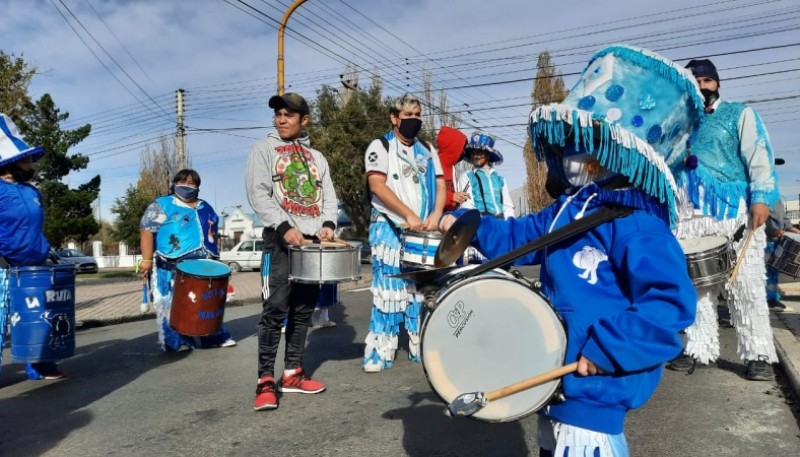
(181, 144)
(281, 30)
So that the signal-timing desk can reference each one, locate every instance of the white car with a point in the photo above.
(244, 256)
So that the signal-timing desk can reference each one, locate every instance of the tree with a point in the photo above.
(128, 209)
(548, 87)
(155, 177)
(15, 77)
(342, 131)
(68, 212)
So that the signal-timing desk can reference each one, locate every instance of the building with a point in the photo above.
(237, 225)
(793, 211)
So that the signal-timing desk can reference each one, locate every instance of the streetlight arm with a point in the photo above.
(281, 30)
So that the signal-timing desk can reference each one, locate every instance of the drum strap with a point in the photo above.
(584, 224)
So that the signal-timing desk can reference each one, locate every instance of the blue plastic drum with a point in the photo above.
(42, 313)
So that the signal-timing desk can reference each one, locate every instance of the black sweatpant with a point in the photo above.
(286, 299)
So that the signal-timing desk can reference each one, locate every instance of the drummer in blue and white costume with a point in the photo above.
(729, 181)
(487, 189)
(622, 288)
(407, 187)
(178, 227)
(22, 240)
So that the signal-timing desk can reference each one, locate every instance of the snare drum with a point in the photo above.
(709, 259)
(198, 297)
(325, 264)
(786, 257)
(490, 331)
(418, 249)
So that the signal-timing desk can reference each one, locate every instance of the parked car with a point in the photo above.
(246, 255)
(83, 263)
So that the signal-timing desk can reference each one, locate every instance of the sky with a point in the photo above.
(117, 64)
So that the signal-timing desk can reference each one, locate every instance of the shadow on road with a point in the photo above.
(428, 431)
(42, 416)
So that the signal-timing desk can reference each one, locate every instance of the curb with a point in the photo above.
(787, 347)
(95, 323)
(87, 324)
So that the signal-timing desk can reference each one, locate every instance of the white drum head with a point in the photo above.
(488, 332)
(794, 236)
(702, 244)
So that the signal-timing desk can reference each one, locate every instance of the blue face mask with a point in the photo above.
(187, 193)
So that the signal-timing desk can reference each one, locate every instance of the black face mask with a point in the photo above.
(710, 96)
(410, 127)
(21, 175)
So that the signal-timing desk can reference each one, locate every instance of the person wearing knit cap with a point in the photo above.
(451, 143)
(729, 182)
(22, 239)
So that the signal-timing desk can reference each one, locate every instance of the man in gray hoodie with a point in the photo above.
(289, 187)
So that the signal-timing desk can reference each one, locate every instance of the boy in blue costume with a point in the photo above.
(622, 288)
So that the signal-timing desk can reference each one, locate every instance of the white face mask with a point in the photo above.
(576, 173)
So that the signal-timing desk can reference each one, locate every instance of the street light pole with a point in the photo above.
(281, 30)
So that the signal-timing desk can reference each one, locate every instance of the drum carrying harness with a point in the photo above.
(584, 224)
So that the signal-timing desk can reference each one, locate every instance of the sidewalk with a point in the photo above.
(100, 302)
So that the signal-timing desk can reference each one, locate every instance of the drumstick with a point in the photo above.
(328, 243)
(740, 258)
(469, 403)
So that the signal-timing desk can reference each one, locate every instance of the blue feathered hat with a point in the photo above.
(633, 110)
(483, 142)
(12, 146)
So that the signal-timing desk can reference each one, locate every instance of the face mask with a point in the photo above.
(187, 193)
(710, 96)
(410, 127)
(581, 169)
(21, 175)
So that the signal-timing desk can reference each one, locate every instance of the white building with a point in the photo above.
(237, 225)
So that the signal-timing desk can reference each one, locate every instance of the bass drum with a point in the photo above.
(490, 331)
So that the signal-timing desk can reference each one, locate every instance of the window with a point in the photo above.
(246, 246)
(259, 245)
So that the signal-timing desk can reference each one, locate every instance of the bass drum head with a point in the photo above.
(203, 268)
(486, 333)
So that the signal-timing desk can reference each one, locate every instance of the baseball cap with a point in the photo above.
(289, 100)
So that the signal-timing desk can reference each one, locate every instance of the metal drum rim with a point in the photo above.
(556, 384)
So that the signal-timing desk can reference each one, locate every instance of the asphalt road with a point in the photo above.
(126, 398)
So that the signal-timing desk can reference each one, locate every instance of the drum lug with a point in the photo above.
(430, 295)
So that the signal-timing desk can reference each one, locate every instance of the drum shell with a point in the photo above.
(324, 264)
(786, 257)
(418, 249)
(42, 313)
(712, 265)
(488, 332)
(198, 300)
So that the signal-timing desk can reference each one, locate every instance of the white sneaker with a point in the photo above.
(144, 307)
(230, 342)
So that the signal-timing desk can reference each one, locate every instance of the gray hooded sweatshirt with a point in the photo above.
(289, 185)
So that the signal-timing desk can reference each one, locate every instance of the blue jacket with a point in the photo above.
(622, 290)
(22, 240)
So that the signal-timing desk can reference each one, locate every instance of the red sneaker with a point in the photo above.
(265, 394)
(300, 382)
